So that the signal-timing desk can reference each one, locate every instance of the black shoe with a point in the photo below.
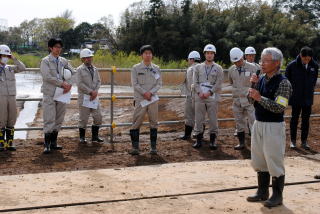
(2, 135)
(10, 136)
(241, 137)
(95, 134)
(153, 141)
(82, 134)
(198, 143)
(54, 138)
(317, 176)
(187, 133)
(305, 145)
(213, 144)
(47, 143)
(134, 134)
(262, 193)
(293, 144)
(277, 189)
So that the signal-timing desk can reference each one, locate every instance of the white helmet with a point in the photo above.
(210, 47)
(86, 53)
(250, 50)
(236, 54)
(67, 74)
(194, 55)
(5, 50)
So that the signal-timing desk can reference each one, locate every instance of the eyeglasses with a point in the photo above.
(265, 61)
(57, 46)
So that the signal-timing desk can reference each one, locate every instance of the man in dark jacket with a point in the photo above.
(302, 74)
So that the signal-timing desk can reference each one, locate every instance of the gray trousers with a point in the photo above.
(140, 112)
(189, 111)
(53, 114)
(85, 113)
(8, 111)
(268, 142)
(243, 115)
(201, 109)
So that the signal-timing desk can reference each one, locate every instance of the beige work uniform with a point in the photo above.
(240, 81)
(51, 69)
(189, 107)
(8, 106)
(207, 78)
(88, 81)
(145, 79)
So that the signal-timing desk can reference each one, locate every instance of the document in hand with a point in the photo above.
(90, 104)
(61, 97)
(144, 103)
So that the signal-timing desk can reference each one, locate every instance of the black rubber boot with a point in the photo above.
(153, 141)
(9, 138)
(82, 135)
(241, 137)
(134, 134)
(277, 189)
(305, 145)
(54, 138)
(2, 137)
(95, 134)
(47, 143)
(262, 193)
(317, 176)
(187, 133)
(213, 144)
(198, 143)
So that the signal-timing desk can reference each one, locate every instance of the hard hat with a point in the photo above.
(210, 47)
(86, 53)
(235, 54)
(250, 50)
(67, 74)
(5, 50)
(194, 55)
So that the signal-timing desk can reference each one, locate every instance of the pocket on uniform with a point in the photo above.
(141, 78)
(212, 78)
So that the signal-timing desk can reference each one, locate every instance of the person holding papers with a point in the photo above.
(207, 81)
(146, 81)
(8, 107)
(88, 81)
(56, 76)
(239, 77)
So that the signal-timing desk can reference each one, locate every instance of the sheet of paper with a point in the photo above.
(90, 104)
(205, 87)
(61, 97)
(144, 103)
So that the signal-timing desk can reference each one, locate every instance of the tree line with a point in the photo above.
(175, 27)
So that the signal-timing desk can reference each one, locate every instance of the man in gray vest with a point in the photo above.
(207, 80)
(146, 81)
(268, 141)
(8, 107)
(88, 82)
(56, 73)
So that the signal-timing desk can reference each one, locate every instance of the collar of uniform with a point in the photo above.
(146, 66)
(52, 58)
(269, 78)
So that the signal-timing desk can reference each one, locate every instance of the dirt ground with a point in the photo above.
(29, 158)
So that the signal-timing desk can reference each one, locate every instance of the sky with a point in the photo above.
(16, 11)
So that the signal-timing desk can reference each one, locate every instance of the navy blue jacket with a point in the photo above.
(303, 81)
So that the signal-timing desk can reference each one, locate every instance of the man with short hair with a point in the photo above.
(189, 110)
(146, 81)
(207, 80)
(8, 106)
(56, 73)
(302, 74)
(268, 141)
(88, 82)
